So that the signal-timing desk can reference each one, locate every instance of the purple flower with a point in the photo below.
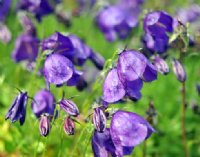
(39, 8)
(57, 69)
(69, 107)
(43, 103)
(85, 4)
(4, 8)
(157, 25)
(44, 125)
(26, 48)
(198, 89)
(99, 120)
(128, 130)
(5, 34)
(161, 65)
(76, 77)
(17, 110)
(179, 70)
(69, 126)
(117, 20)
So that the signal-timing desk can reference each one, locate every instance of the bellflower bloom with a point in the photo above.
(26, 48)
(43, 103)
(76, 77)
(5, 34)
(57, 69)
(69, 107)
(99, 120)
(17, 110)
(179, 70)
(161, 65)
(69, 126)
(127, 78)
(39, 8)
(44, 125)
(4, 8)
(157, 25)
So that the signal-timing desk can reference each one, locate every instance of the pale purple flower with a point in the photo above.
(99, 119)
(161, 65)
(179, 70)
(69, 126)
(45, 125)
(69, 107)
(5, 34)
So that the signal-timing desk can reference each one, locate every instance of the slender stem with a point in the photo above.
(183, 128)
(144, 149)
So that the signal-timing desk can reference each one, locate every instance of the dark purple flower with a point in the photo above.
(69, 126)
(44, 125)
(43, 103)
(5, 34)
(57, 69)
(161, 65)
(39, 8)
(69, 107)
(97, 59)
(17, 110)
(4, 8)
(198, 89)
(99, 120)
(76, 77)
(179, 70)
(59, 43)
(128, 130)
(26, 48)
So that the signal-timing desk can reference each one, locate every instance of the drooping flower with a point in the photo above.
(39, 8)
(179, 70)
(44, 125)
(17, 110)
(76, 77)
(4, 8)
(161, 65)
(157, 25)
(5, 34)
(43, 103)
(26, 48)
(69, 126)
(69, 107)
(57, 69)
(99, 119)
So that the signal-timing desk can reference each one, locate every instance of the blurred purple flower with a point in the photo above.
(161, 65)
(44, 125)
(57, 69)
(17, 111)
(99, 120)
(4, 8)
(85, 5)
(69, 107)
(43, 103)
(39, 8)
(157, 25)
(179, 70)
(76, 77)
(69, 126)
(5, 34)
(198, 88)
(26, 48)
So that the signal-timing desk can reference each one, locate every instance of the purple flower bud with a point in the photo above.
(5, 34)
(44, 125)
(69, 107)
(161, 65)
(43, 102)
(26, 48)
(57, 69)
(97, 59)
(179, 70)
(69, 126)
(198, 89)
(4, 8)
(99, 120)
(17, 110)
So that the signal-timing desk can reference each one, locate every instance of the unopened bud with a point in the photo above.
(179, 70)
(69, 107)
(44, 125)
(99, 120)
(161, 65)
(69, 126)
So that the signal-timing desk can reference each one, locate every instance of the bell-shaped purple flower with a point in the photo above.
(161, 65)
(45, 125)
(99, 120)
(69, 126)
(26, 48)
(179, 70)
(17, 110)
(4, 8)
(128, 130)
(69, 107)
(57, 69)
(39, 8)
(43, 103)
(97, 59)
(5, 34)
(76, 77)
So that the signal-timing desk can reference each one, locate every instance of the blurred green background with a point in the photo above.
(165, 93)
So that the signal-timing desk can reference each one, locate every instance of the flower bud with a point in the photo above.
(161, 65)
(99, 119)
(179, 70)
(198, 89)
(44, 125)
(5, 34)
(69, 126)
(69, 107)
